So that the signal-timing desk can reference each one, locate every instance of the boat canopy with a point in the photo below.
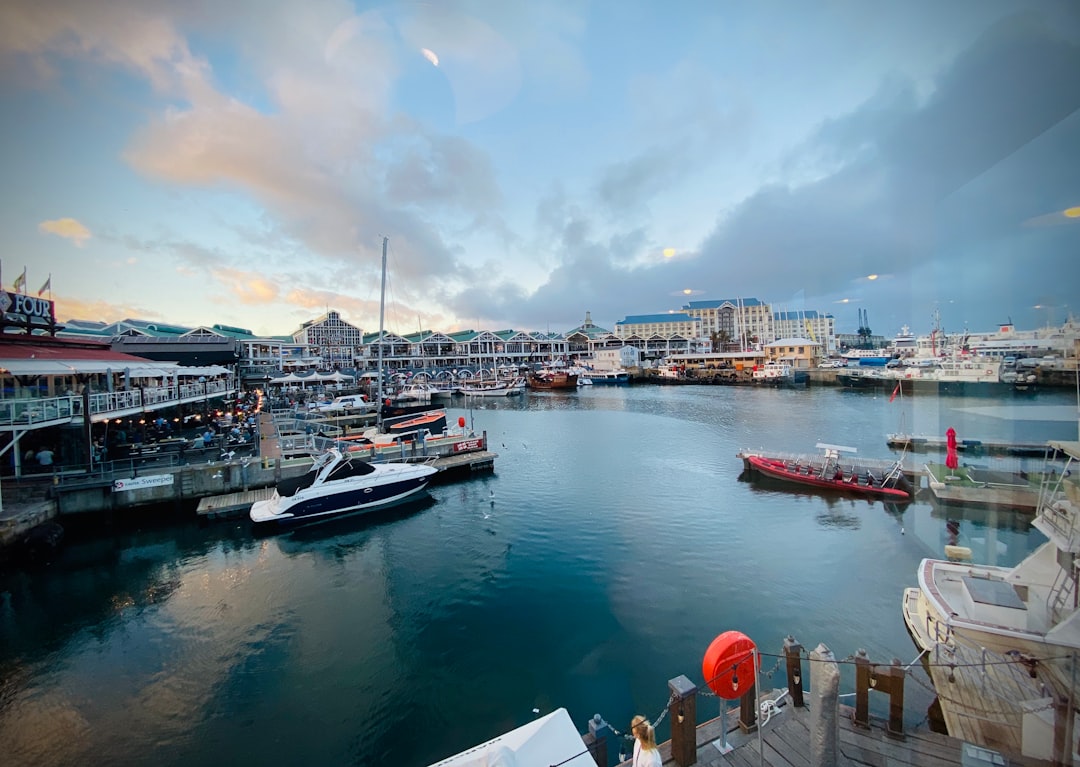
(837, 448)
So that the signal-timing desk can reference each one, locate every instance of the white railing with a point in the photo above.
(35, 411)
(32, 412)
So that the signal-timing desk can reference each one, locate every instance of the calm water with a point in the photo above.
(614, 541)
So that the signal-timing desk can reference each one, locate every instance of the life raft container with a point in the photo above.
(728, 665)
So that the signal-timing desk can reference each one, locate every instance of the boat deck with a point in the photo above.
(980, 697)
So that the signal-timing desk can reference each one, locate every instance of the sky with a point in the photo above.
(242, 162)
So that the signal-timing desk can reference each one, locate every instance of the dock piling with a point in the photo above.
(748, 708)
(889, 681)
(597, 739)
(682, 710)
(824, 708)
(793, 660)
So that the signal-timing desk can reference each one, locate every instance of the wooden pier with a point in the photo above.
(800, 727)
(786, 743)
(231, 504)
(917, 443)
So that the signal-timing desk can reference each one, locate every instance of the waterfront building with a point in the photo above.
(660, 335)
(799, 352)
(76, 329)
(667, 324)
(587, 337)
(335, 342)
(54, 391)
(733, 323)
(615, 359)
(820, 328)
(196, 349)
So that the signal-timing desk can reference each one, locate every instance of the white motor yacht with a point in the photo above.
(337, 484)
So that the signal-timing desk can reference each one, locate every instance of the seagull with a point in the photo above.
(901, 531)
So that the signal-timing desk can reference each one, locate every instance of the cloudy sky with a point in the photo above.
(241, 162)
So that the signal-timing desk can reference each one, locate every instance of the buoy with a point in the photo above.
(961, 553)
(461, 422)
(728, 665)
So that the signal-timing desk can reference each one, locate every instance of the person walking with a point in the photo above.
(45, 458)
(646, 754)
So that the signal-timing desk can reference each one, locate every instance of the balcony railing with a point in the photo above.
(50, 411)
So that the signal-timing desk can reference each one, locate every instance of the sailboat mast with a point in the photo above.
(382, 312)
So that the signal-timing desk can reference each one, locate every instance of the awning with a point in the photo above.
(34, 367)
(206, 370)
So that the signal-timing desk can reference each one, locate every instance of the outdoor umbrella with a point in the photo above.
(950, 455)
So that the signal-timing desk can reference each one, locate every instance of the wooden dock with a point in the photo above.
(231, 504)
(786, 743)
(918, 443)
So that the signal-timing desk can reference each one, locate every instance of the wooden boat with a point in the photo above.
(548, 379)
(833, 471)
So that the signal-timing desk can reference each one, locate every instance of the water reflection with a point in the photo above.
(337, 537)
(548, 583)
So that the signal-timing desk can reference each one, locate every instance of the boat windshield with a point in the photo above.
(287, 488)
(350, 468)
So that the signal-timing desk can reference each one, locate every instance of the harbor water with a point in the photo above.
(614, 541)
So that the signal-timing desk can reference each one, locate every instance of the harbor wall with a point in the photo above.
(175, 485)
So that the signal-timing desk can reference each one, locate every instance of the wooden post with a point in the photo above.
(682, 711)
(890, 681)
(596, 740)
(1062, 747)
(824, 711)
(748, 705)
(895, 688)
(793, 659)
(862, 689)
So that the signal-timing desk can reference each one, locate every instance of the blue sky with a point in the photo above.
(241, 162)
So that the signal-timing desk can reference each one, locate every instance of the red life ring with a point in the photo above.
(728, 665)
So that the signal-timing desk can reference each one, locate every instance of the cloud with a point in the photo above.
(132, 35)
(101, 311)
(249, 288)
(68, 228)
(944, 185)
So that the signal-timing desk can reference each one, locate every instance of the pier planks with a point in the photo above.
(231, 503)
(787, 744)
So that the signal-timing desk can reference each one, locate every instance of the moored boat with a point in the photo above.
(497, 387)
(1028, 613)
(835, 469)
(779, 373)
(552, 379)
(337, 484)
(610, 377)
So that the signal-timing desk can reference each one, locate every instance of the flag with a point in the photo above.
(895, 392)
(20, 281)
(47, 286)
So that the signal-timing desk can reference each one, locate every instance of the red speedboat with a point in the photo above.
(831, 472)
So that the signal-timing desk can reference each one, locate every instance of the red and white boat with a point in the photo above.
(835, 469)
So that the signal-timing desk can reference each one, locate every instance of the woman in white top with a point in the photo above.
(646, 754)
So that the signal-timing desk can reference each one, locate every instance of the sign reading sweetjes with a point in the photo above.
(134, 483)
